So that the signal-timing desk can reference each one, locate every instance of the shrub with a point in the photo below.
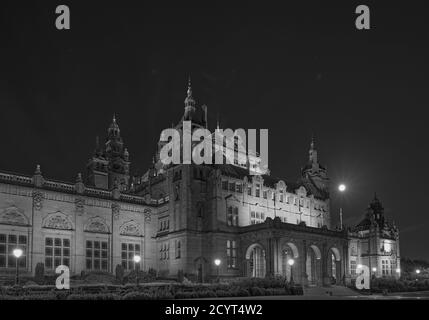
(256, 291)
(241, 292)
(95, 296)
(119, 273)
(180, 276)
(39, 274)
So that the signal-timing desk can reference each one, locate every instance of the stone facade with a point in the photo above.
(183, 217)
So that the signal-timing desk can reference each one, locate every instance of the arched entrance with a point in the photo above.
(255, 261)
(334, 265)
(313, 265)
(289, 254)
(200, 264)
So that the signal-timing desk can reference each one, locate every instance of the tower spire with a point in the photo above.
(189, 92)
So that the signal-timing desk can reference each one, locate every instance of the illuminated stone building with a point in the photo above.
(182, 217)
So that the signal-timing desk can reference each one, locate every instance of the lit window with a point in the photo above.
(8, 243)
(128, 251)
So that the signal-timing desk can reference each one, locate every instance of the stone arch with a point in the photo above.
(130, 228)
(314, 265)
(201, 269)
(255, 261)
(289, 251)
(97, 225)
(13, 215)
(57, 220)
(333, 264)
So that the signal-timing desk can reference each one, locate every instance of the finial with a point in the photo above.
(312, 141)
(189, 87)
(38, 171)
(79, 177)
(114, 117)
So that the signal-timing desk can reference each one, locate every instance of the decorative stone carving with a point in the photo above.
(37, 200)
(115, 210)
(13, 215)
(130, 228)
(57, 220)
(97, 224)
(147, 213)
(80, 205)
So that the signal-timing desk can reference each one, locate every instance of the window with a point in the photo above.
(96, 255)
(295, 202)
(57, 252)
(281, 196)
(273, 196)
(8, 243)
(249, 191)
(284, 219)
(256, 217)
(128, 251)
(353, 267)
(178, 249)
(225, 185)
(384, 267)
(265, 193)
(164, 225)
(232, 186)
(258, 191)
(232, 218)
(239, 187)
(164, 252)
(231, 253)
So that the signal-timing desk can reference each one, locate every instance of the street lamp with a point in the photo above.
(217, 262)
(418, 271)
(291, 263)
(17, 253)
(137, 260)
(341, 188)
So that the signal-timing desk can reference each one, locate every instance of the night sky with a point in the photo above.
(296, 70)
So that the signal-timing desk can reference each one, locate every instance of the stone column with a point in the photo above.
(304, 276)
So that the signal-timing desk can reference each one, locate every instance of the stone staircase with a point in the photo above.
(334, 291)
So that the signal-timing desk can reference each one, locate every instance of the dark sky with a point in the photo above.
(295, 70)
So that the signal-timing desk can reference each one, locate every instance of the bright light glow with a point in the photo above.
(342, 187)
(398, 270)
(291, 262)
(217, 262)
(137, 258)
(359, 266)
(374, 269)
(17, 252)
(418, 271)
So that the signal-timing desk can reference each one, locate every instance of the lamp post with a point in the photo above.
(217, 263)
(137, 259)
(291, 263)
(17, 253)
(341, 188)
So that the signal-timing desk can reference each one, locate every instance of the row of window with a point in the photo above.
(58, 251)
(164, 225)
(231, 253)
(164, 251)
(232, 216)
(238, 187)
(387, 267)
(257, 217)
